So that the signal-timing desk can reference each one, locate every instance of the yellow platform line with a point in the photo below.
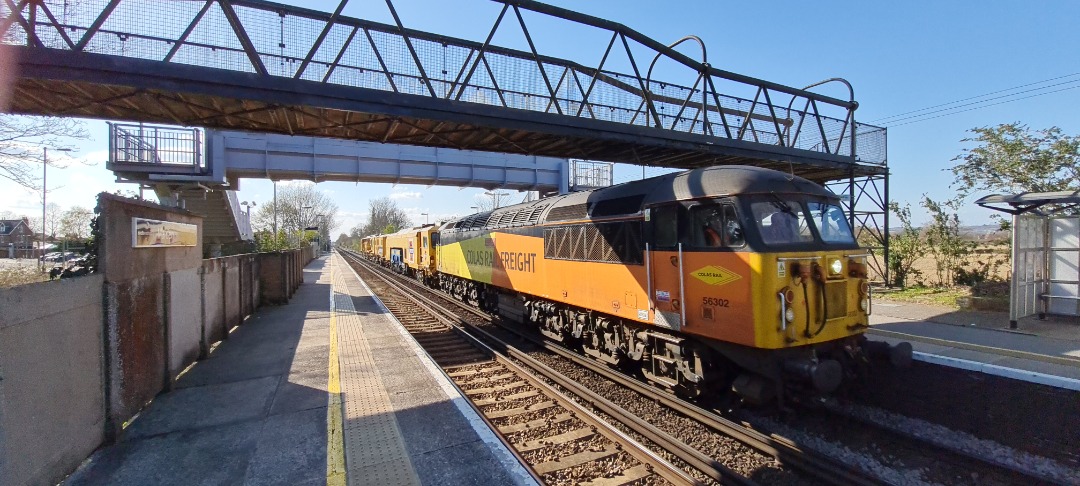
(335, 439)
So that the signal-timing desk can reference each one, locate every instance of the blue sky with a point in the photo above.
(900, 56)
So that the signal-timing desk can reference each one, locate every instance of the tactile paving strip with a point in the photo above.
(374, 449)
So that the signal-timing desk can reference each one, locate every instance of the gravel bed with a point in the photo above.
(939, 434)
(1035, 419)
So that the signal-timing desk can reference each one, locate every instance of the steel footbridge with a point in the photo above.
(266, 67)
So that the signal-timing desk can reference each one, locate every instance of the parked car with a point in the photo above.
(52, 256)
(60, 256)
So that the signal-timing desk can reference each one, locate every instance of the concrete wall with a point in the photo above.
(79, 357)
(213, 303)
(52, 399)
(141, 357)
(184, 320)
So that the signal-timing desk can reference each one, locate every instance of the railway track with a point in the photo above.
(562, 442)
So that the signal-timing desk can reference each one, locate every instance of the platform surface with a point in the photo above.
(258, 409)
(1050, 347)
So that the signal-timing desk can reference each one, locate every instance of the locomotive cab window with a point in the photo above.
(782, 221)
(831, 222)
(715, 226)
(665, 224)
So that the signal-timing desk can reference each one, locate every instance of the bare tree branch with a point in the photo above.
(21, 142)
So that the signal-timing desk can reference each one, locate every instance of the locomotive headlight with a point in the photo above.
(836, 267)
(789, 314)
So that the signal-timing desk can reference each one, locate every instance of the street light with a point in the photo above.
(44, 173)
(319, 228)
(248, 206)
(496, 196)
(301, 232)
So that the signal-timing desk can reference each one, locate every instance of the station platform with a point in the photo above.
(1039, 351)
(329, 389)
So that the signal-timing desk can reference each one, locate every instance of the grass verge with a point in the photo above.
(944, 296)
(15, 275)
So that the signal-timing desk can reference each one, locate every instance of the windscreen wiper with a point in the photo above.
(781, 204)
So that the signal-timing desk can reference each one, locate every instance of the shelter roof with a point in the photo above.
(1025, 202)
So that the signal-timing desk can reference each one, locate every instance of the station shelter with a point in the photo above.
(1045, 252)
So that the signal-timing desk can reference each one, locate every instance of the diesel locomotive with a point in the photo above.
(721, 278)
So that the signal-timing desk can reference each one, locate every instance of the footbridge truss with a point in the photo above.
(267, 67)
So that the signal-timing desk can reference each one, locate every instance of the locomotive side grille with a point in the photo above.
(836, 297)
(606, 242)
(577, 243)
(567, 213)
(597, 248)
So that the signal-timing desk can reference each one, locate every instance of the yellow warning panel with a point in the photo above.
(715, 275)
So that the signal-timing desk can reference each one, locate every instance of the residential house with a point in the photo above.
(16, 238)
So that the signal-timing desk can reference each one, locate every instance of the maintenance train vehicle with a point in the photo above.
(713, 279)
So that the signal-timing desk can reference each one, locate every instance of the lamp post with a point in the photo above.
(319, 228)
(299, 234)
(247, 212)
(44, 187)
(496, 197)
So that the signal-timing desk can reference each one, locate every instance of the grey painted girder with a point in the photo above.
(274, 156)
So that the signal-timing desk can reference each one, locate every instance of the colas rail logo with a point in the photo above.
(714, 275)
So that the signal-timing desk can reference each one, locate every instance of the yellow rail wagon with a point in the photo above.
(411, 252)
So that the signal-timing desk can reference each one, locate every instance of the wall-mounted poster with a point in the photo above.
(151, 233)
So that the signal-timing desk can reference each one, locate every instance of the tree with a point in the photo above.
(1011, 158)
(75, 223)
(491, 200)
(21, 142)
(54, 215)
(384, 216)
(905, 247)
(298, 206)
(943, 239)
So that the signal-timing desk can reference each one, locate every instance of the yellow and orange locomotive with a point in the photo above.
(714, 278)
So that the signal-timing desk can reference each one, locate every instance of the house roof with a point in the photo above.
(7, 226)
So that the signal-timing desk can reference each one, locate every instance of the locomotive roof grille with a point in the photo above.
(632, 197)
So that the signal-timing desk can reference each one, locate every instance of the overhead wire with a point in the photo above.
(880, 120)
(954, 107)
(985, 106)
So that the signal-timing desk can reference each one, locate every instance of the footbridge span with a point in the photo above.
(268, 67)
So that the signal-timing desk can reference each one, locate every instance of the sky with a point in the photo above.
(899, 56)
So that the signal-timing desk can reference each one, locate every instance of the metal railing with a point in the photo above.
(276, 40)
(586, 174)
(241, 217)
(148, 144)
